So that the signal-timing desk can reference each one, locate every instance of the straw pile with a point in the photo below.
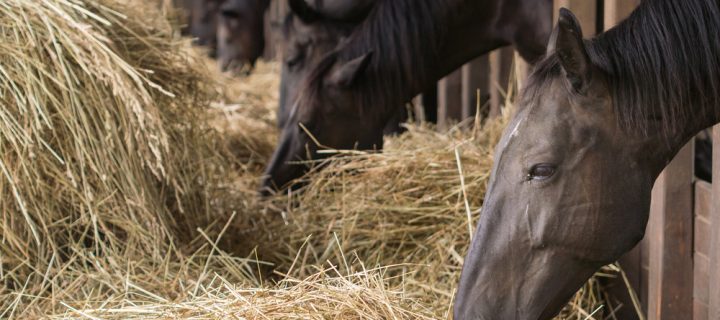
(126, 193)
(105, 160)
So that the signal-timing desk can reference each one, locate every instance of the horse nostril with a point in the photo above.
(265, 192)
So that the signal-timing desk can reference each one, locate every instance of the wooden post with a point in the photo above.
(500, 69)
(701, 245)
(449, 99)
(475, 75)
(495, 61)
(670, 287)
(418, 109)
(714, 269)
(522, 71)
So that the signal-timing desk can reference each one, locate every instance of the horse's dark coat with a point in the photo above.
(305, 43)
(657, 63)
(204, 22)
(573, 173)
(241, 33)
(406, 45)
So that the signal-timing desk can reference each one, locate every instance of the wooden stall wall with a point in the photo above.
(490, 75)
(713, 283)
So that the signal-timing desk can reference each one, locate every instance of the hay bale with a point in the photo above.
(326, 294)
(107, 163)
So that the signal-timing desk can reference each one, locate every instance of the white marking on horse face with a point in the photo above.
(514, 133)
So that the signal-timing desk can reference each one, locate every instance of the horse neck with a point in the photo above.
(663, 70)
(442, 40)
(488, 25)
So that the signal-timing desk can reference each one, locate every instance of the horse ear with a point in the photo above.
(345, 75)
(304, 11)
(567, 42)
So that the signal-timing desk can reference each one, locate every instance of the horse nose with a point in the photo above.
(276, 169)
(266, 190)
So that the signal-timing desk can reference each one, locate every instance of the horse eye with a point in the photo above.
(541, 171)
(231, 14)
(294, 60)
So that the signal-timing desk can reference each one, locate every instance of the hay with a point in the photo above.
(325, 295)
(106, 160)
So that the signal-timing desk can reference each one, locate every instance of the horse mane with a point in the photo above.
(404, 39)
(661, 64)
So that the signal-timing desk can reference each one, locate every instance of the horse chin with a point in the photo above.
(549, 291)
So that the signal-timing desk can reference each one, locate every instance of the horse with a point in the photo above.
(306, 41)
(241, 34)
(401, 48)
(573, 172)
(204, 23)
(184, 7)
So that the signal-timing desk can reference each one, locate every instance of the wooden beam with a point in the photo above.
(450, 99)
(522, 71)
(714, 269)
(670, 288)
(500, 69)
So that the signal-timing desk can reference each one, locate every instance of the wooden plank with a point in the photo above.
(418, 109)
(701, 260)
(584, 10)
(450, 99)
(500, 70)
(618, 10)
(670, 288)
(475, 76)
(702, 236)
(495, 62)
(700, 311)
(701, 272)
(703, 199)
(522, 71)
(714, 269)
